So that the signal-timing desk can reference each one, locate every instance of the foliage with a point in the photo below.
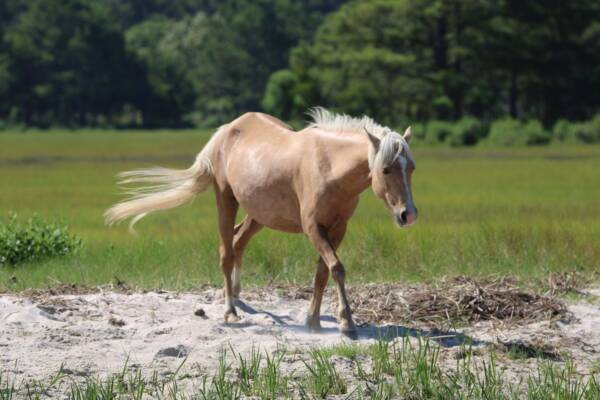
(67, 63)
(561, 130)
(467, 132)
(535, 133)
(355, 60)
(247, 42)
(177, 63)
(279, 98)
(512, 132)
(434, 59)
(577, 132)
(150, 63)
(33, 241)
(419, 131)
(506, 132)
(165, 49)
(438, 131)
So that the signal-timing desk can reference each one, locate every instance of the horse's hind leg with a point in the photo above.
(313, 319)
(227, 206)
(243, 233)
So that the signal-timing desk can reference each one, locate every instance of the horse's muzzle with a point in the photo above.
(406, 218)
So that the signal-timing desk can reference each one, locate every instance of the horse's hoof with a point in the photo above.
(231, 318)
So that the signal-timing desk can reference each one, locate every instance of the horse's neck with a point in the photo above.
(356, 175)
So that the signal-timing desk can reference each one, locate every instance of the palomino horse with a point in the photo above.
(307, 181)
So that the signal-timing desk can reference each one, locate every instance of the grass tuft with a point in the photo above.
(323, 379)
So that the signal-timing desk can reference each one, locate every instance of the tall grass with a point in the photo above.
(525, 211)
(323, 379)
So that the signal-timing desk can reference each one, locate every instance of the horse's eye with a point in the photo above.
(386, 170)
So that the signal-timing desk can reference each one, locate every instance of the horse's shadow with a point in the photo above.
(447, 338)
(367, 331)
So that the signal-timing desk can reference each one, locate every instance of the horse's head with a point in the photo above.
(392, 167)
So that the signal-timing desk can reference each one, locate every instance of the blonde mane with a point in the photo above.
(392, 143)
(330, 121)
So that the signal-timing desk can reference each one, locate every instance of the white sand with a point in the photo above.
(39, 335)
(36, 337)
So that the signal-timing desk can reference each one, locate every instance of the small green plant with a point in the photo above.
(248, 369)
(595, 366)
(7, 387)
(323, 379)
(553, 382)
(347, 350)
(272, 382)
(34, 240)
(516, 353)
(380, 354)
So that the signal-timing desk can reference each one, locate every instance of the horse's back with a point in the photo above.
(250, 121)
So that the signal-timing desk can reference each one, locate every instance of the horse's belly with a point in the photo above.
(278, 223)
(274, 207)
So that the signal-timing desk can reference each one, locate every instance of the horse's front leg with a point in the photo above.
(326, 243)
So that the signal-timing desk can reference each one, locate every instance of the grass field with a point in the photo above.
(523, 212)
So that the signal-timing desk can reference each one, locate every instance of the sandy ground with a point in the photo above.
(96, 334)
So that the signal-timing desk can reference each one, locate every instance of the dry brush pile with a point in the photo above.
(456, 301)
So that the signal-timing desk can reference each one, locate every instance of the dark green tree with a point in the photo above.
(166, 50)
(69, 62)
(443, 59)
(369, 57)
(247, 42)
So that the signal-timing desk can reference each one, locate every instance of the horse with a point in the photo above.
(307, 182)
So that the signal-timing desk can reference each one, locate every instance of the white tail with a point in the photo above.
(165, 188)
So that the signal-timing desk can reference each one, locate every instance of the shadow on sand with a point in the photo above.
(367, 331)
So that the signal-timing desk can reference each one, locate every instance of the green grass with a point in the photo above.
(347, 350)
(525, 212)
(414, 372)
(323, 379)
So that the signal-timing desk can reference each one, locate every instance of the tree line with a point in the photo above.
(174, 63)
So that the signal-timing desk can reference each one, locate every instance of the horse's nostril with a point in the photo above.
(403, 216)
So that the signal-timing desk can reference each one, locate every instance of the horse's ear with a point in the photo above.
(407, 134)
(374, 140)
